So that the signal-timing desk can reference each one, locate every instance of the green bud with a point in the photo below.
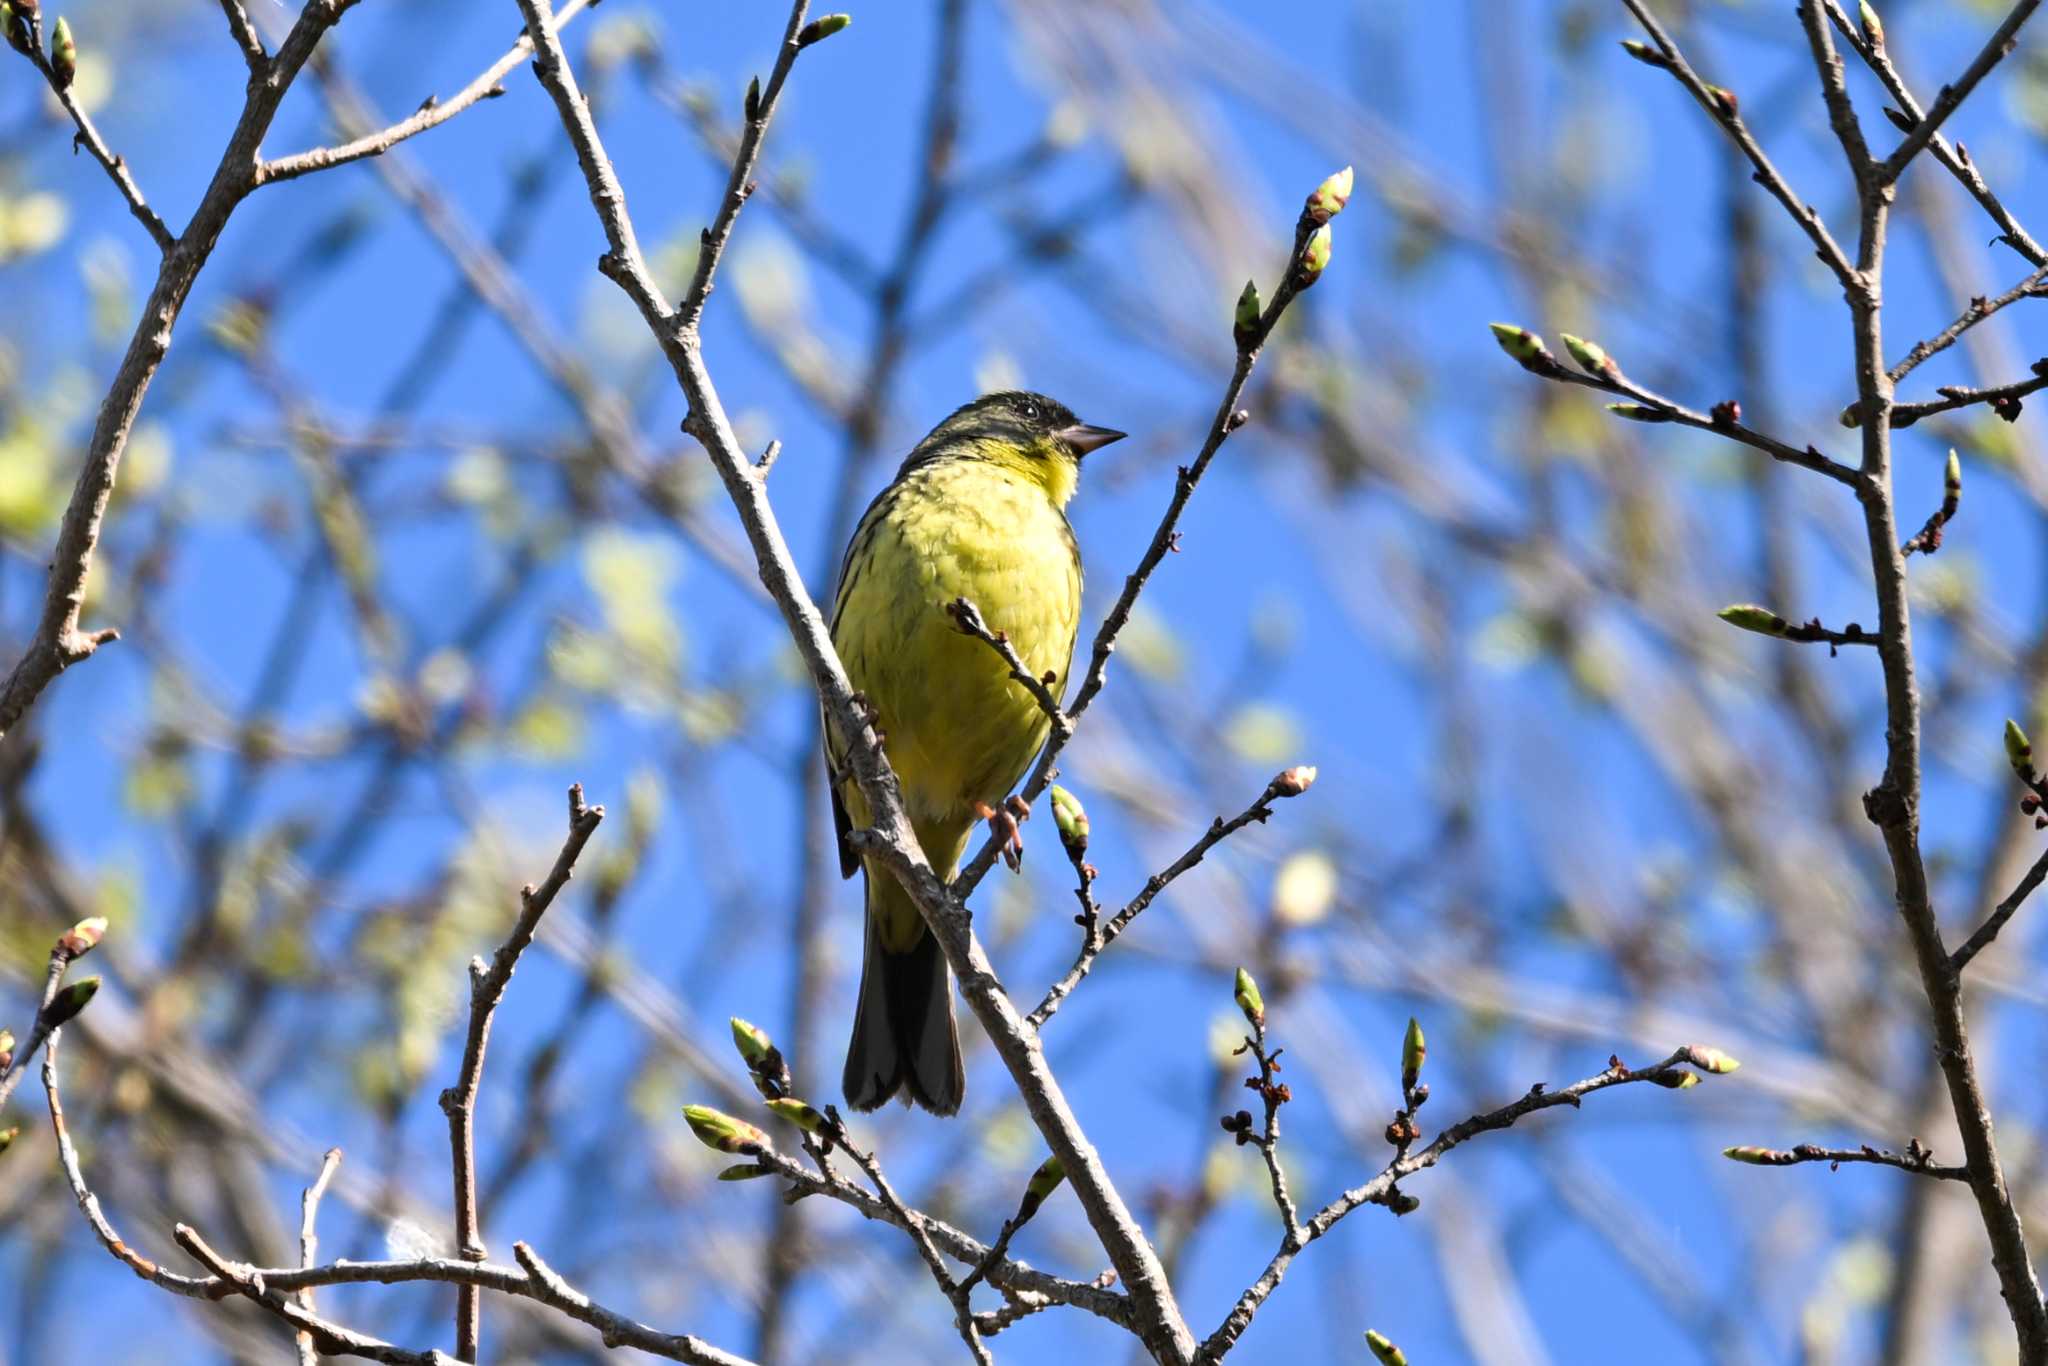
(1249, 1001)
(1384, 1349)
(1591, 358)
(746, 1171)
(1314, 257)
(68, 1002)
(1644, 53)
(63, 54)
(1751, 617)
(6, 1041)
(1522, 345)
(1755, 1157)
(14, 26)
(1873, 27)
(1638, 412)
(821, 28)
(1071, 818)
(1671, 1079)
(753, 104)
(1328, 199)
(754, 1045)
(1710, 1059)
(810, 1120)
(1851, 416)
(85, 936)
(1043, 1183)
(716, 1129)
(2018, 752)
(7, 1137)
(1245, 323)
(1403, 1204)
(1952, 473)
(1413, 1051)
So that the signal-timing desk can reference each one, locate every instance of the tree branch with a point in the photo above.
(1157, 1317)
(458, 1102)
(1290, 783)
(1381, 1187)
(1996, 49)
(432, 113)
(1987, 932)
(58, 642)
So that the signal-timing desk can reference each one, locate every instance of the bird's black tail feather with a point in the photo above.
(904, 1037)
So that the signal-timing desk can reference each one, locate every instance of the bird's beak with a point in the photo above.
(1082, 438)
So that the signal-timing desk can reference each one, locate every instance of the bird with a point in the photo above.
(977, 511)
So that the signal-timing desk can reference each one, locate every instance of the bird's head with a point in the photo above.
(1027, 432)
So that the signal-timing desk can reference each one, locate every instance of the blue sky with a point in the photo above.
(1275, 602)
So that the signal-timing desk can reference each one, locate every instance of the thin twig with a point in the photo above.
(1093, 942)
(1982, 937)
(1996, 48)
(39, 1032)
(1980, 308)
(1916, 1159)
(2004, 399)
(913, 1223)
(1722, 107)
(1953, 157)
(458, 1102)
(431, 114)
(330, 1338)
(1407, 1163)
(88, 137)
(309, 1247)
(245, 35)
(1651, 406)
(968, 618)
(534, 1282)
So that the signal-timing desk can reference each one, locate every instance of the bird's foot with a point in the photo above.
(1002, 822)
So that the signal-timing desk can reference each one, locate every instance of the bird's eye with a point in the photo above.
(1030, 411)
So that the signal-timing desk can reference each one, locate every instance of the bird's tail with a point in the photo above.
(904, 1038)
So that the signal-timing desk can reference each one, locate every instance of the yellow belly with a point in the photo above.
(958, 730)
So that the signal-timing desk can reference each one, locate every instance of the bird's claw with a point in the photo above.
(1002, 822)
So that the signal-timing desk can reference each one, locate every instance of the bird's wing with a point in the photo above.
(842, 824)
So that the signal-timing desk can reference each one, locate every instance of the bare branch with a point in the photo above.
(1982, 938)
(1722, 106)
(458, 1102)
(1980, 308)
(1380, 1188)
(1953, 157)
(431, 114)
(309, 1246)
(1996, 49)
(58, 642)
(330, 1338)
(1916, 1159)
(245, 35)
(968, 618)
(88, 136)
(2003, 399)
(1650, 406)
(1289, 783)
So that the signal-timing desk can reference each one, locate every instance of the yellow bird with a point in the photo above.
(976, 512)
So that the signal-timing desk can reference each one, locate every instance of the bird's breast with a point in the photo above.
(958, 729)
